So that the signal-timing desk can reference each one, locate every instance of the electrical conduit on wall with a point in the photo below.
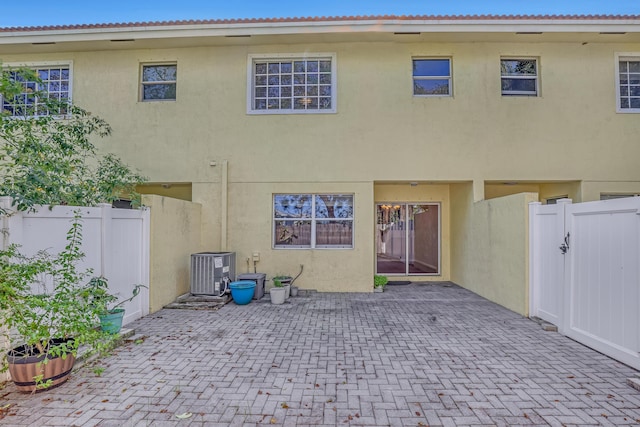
(224, 208)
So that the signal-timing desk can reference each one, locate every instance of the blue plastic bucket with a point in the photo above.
(242, 291)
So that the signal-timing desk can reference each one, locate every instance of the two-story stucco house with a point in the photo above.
(404, 146)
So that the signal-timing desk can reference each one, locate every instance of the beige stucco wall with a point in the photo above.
(591, 190)
(327, 270)
(492, 191)
(489, 242)
(567, 133)
(380, 134)
(570, 189)
(573, 190)
(180, 191)
(174, 236)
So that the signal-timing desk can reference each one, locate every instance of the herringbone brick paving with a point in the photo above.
(417, 355)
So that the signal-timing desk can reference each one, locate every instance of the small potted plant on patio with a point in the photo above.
(379, 282)
(44, 314)
(285, 281)
(110, 312)
(278, 292)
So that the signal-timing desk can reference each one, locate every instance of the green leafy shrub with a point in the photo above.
(47, 154)
(43, 302)
(379, 281)
(97, 291)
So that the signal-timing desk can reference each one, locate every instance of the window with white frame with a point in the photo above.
(313, 221)
(51, 81)
(519, 76)
(432, 77)
(158, 82)
(291, 84)
(628, 83)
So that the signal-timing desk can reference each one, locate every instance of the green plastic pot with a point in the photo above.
(112, 321)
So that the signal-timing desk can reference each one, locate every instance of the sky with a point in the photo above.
(46, 12)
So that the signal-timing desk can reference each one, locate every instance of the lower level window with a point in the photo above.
(313, 221)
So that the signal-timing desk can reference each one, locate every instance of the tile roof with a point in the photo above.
(327, 19)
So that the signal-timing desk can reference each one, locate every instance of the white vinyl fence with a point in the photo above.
(115, 243)
(585, 273)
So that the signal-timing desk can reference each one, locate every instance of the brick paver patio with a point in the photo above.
(417, 355)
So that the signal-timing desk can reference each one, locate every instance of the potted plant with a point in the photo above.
(278, 292)
(110, 312)
(45, 314)
(379, 282)
(285, 281)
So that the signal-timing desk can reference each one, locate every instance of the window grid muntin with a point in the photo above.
(144, 84)
(628, 81)
(55, 81)
(302, 84)
(448, 78)
(533, 77)
(291, 84)
(313, 220)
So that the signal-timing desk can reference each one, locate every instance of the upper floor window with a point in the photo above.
(291, 84)
(519, 76)
(432, 77)
(51, 81)
(313, 221)
(628, 83)
(158, 82)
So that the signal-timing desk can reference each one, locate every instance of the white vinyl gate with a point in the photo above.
(585, 273)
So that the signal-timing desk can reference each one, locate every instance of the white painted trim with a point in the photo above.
(44, 64)
(141, 84)
(618, 56)
(318, 27)
(313, 222)
(536, 78)
(449, 77)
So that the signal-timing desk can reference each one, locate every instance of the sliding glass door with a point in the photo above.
(408, 239)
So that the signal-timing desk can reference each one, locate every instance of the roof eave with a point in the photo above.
(179, 30)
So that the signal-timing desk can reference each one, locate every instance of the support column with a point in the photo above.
(478, 190)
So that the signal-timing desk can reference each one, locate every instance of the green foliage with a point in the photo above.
(379, 281)
(43, 297)
(280, 279)
(97, 293)
(48, 157)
